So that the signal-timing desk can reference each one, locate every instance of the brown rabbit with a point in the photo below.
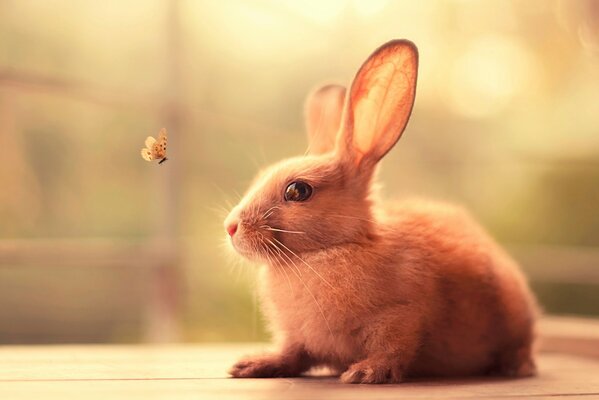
(376, 294)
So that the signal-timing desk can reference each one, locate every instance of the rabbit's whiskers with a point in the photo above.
(304, 261)
(271, 261)
(270, 211)
(282, 253)
(270, 228)
(298, 274)
(220, 210)
(276, 260)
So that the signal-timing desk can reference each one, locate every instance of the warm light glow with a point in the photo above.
(491, 71)
(369, 8)
(316, 10)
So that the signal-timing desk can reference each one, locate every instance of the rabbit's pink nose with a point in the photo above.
(232, 228)
(232, 222)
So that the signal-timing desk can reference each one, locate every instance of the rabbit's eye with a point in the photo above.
(298, 191)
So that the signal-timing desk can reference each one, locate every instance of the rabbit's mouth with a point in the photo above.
(263, 244)
(252, 244)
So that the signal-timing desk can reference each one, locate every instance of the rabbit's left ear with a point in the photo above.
(323, 111)
(379, 102)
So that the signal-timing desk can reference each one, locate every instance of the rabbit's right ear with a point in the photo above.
(323, 117)
(379, 103)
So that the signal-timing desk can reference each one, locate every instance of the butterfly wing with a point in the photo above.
(159, 148)
(150, 142)
(146, 154)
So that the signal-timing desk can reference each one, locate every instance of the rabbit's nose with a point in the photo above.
(232, 228)
(232, 222)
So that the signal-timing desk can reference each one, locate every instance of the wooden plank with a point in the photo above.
(199, 371)
(572, 335)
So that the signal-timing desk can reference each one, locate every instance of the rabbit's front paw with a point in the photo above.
(368, 371)
(259, 367)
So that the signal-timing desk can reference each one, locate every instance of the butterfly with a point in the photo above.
(155, 149)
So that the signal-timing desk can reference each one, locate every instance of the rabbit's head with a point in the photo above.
(322, 199)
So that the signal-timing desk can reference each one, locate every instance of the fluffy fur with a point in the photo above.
(376, 293)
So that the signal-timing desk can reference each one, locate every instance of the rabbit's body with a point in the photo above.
(430, 273)
(377, 293)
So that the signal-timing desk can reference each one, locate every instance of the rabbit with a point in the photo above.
(378, 294)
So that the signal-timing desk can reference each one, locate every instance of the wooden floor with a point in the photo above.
(199, 372)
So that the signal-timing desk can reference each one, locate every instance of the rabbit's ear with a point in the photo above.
(323, 117)
(379, 102)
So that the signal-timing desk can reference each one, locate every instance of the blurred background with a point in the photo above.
(96, 245)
